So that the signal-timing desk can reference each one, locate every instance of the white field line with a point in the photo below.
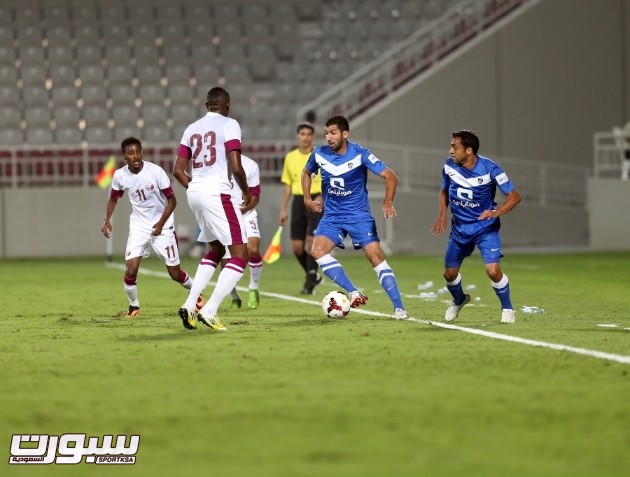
(618, 358)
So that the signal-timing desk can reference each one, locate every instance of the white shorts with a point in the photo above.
(140, 243)
(251, 225)
(251, 230)
(218, 217)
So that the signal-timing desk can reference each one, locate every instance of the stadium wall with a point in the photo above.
(609, 221)
(58, 222)
(537, 88)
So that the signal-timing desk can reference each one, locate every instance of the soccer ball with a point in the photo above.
(336, 304)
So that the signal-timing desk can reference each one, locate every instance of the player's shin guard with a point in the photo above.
(184, 280)
(388, 281)
(228, 278)
(333, 270)
(255, 270)
(455, 287)
(502, 289)
(205, 270)
(131, 289)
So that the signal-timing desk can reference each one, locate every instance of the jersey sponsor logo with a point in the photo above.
(338, 187)
(466, 196)
(149, 187)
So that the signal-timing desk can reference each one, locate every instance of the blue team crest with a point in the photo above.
(479, 180)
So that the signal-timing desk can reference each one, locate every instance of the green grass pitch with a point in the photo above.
(287, 392)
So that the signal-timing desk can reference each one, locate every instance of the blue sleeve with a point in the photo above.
(372, 162)
(446, 180)
(311, 164)
(503, 182)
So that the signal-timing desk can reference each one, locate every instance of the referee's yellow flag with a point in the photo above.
(273, 251)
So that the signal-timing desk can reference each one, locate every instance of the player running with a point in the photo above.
(346, 210)
(469, 183)
(151, 224)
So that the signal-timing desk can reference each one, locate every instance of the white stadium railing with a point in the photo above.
(610, 150)
(418, 169)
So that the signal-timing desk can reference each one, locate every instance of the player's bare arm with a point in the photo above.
(312, 205)
(391, 182)
(179, 171)
(511, 201)
(107, 226)
(168, 210)
(252, 204)
(440, 223)
(234, 161)
(286, 194)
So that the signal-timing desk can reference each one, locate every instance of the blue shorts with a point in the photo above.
(464, 237)
(362, 231)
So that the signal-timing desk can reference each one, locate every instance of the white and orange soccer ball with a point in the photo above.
(336, 304)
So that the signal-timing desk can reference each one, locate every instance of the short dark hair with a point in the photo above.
(340, 121)
(128, 142)
(468, 139)
(218, 95)
(305, 126)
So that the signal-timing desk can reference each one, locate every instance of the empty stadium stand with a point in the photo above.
(98, 54)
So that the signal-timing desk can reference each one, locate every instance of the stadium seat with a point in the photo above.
(149, 74)
(9, 94)
(10, 115)
(27, 33)
(56, 15)
(7, 55)
(31, 54)
(88, 55)
(181, 93)
(95, 114)
(62, 74)
(60, 55)
(183, 115)
(177, 73)
(67, 115)
(153, 114)
(125, 115)
(151, 93)
(6, 35)
(34, 95)
(123, 132)
(68, 135)
(113, 15)
(98, 135)
(11, 136)
(146, 55)
(33, 74)
(94, 94)
(37, 135)
(91, 74)
(115, 35)
(122, 93)
(117, 55)
(120, 74)
(64, 94)
(156, 133)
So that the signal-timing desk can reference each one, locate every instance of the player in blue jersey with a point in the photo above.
(346, 211)
(469, 183)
